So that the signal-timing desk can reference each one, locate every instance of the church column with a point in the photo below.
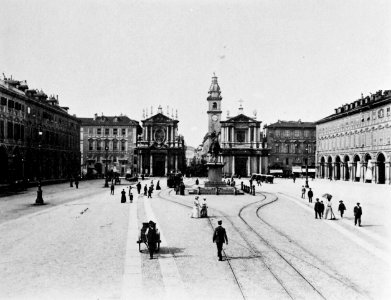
(176, 163)
(141, 164)
(374, 172)
(260, 165)
(166, 165)
(150, 165)
(249, 166)
(249, 136)
(232, 134)
(342, 171)
(167, 130)
(233, 165)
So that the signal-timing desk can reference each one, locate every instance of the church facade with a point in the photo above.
(160, 149)
(239, 137)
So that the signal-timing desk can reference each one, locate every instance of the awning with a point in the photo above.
(296, 169)
(276, 172)
(368, 173)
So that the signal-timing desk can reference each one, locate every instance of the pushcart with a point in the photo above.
(142, 238)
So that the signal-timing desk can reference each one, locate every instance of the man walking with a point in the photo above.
(112, 188)
(220, 237)
(321, 208)
(310, 195)
(341, 208)
(318, 209)
(357, 214)
(152, 238)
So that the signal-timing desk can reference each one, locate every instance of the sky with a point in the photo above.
(287, 60)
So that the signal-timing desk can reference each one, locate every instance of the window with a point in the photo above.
(115, 145)
(287, 133)
(123, 131)
(306, 133)
(214, 105)
(297, 133)
(99, 131)
(388, 111)
(277, 133)
(90, 145)
(240, 136)
(123, 145)
(1, 129)
(277, 148)
(287, 161)
(3, 101)
(10, 131)
(98, 145)
(115, 131)
(107, 144)
(107, 131)
(90, 130)
(380, 113)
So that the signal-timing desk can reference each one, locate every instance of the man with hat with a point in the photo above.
(220, 237)
(357, 214)
(341, 208)
(152, 238)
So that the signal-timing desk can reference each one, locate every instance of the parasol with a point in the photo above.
(328, 196)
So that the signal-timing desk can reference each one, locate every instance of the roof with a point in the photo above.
(108, 120)
(159, 118)
(291, 124)
(240, 118)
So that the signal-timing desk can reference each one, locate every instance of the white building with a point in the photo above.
(354, 142)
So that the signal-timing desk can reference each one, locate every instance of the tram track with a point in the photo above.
(256, 253)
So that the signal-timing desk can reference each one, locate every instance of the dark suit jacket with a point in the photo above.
(220, 236)
(357, 211)
(318, 206)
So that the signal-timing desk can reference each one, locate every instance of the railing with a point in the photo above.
(227, 145)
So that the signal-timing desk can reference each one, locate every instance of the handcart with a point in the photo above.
(142, 238)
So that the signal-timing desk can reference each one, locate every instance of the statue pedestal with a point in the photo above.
(215, 175)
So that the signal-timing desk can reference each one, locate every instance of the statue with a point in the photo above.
(214, 148)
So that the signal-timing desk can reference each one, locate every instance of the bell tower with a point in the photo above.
(214, 106)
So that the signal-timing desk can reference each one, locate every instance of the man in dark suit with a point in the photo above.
(220, 237)
(318, 209)
(152, 238)
(357, 214)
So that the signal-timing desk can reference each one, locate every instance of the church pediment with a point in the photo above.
(159, 118)
(241, 118)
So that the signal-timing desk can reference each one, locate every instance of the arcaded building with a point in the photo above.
(39, 140)
(353, 144)
(108, 141)
(292, 147)
(160, 149)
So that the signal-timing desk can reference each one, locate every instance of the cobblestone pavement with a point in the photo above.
(83, 245)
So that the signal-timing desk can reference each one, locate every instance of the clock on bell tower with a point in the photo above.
(214, 109)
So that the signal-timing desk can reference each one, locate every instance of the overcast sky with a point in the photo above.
(287, 60)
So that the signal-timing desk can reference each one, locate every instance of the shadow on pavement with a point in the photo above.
(171, 250)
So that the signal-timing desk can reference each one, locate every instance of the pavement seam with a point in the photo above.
(172, 281)
(359, 241)
(132, 278)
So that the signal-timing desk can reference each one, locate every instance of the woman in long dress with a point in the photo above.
(204, 209)
(196, 209)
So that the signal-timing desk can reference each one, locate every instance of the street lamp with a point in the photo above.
(306, 168)
(39, 200)
(106, 181)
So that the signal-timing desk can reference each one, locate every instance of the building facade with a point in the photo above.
(353, 144)
(160, 150)
(292, 146)
(39, 140)
(239, 137)
(108, 142)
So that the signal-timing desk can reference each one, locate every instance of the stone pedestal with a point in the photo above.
(215, 175)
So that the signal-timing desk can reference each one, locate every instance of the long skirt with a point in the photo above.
(195, 212)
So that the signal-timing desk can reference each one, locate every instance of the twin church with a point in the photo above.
(239, 137)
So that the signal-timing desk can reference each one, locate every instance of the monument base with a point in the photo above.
(215, 175)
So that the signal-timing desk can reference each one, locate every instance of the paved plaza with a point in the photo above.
(82, 244)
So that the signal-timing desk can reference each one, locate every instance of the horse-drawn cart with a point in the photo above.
(142, 238)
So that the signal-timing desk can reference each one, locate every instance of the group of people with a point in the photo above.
(320, 207)
(200, 210)
(123, 195)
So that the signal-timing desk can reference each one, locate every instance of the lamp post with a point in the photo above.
(39, 200)
(106, 181)
(306, 168)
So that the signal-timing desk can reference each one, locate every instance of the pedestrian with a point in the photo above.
(294, 178)
(152, 238)
(150, 191)
(197, 182)
(138, 187)
(71, 182)
(195, 213)
(123, 196)
(112, 188)
(220, 237)
(303, 192)
(131, 198)
(318, 209)
(357, 214)
(341, 208)
(142, 177)
(145, 190)
(204, 209)
(182, 189)
(321, 208)
(77, 182)
(130, 190)
(329, 208)
(310, 195)
(158, 185)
